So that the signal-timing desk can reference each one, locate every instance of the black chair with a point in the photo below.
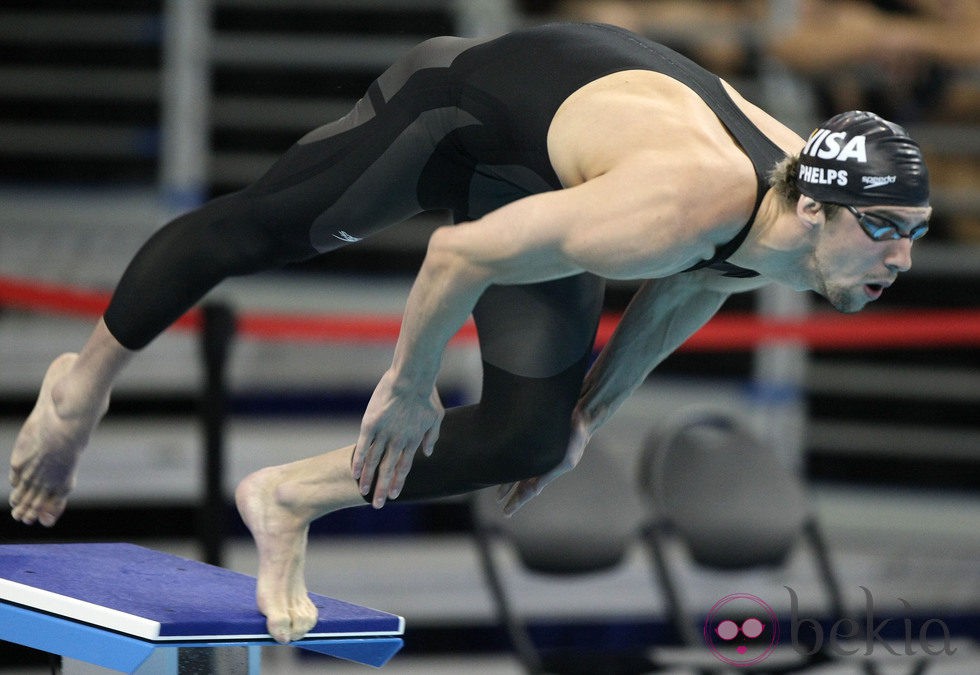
(719, 490)
(581, 525)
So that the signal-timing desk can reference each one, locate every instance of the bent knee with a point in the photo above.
(532, 448)
(528, 421)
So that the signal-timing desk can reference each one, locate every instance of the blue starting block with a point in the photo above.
(131, 609)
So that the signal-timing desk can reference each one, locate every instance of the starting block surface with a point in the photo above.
(128, 590)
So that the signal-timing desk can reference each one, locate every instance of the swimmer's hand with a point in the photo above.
(44, 461)
(515, 495)
(396, 424)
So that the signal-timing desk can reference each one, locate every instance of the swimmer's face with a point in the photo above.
(851, 268)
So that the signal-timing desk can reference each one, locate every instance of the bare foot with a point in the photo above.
(44, 461)
(280, 533)
(278, 504)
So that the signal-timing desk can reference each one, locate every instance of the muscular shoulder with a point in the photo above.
(624, 115)
(666, 163)
(608, 120)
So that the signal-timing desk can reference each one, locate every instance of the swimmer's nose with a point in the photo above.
(899, 255)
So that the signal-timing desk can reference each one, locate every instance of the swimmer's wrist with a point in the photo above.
(410, 381)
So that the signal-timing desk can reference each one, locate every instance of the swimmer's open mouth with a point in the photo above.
(874, 291)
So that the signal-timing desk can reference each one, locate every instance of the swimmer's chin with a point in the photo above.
(846, 304)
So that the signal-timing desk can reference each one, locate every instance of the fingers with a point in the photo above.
(386, 465)
(390, 462)
(375, 460)
(504, 490)
(429, 441)
(515, 495)
(392, 472)
(362, 448)
(386, 470)
(521, 493)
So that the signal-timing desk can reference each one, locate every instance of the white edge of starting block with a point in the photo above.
(137, 626)
(73, 608)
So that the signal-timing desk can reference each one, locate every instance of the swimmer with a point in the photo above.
(568, 154)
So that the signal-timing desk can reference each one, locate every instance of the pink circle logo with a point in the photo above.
(741, 630)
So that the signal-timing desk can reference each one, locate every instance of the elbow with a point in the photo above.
(447, 259)
(440, 242)
(442, 255)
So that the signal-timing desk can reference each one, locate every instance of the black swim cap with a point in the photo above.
(860, 159)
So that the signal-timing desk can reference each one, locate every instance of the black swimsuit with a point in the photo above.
(455, 124)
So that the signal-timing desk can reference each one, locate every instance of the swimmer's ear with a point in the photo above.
(810, 212)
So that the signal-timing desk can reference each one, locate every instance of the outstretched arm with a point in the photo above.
(663, 314)
(404, 412)
(601, 226)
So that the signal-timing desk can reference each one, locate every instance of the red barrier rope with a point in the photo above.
(728, 331)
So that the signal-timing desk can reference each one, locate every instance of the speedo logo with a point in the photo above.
(872, 182)
(827, 144)
(344, 236)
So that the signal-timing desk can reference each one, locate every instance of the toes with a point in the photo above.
(20, 501)
(24, 514)
(279, 627)
(30, 505)
(289, 625)
(17, 495)
(286, 627)
(48, 515)
(304, 618)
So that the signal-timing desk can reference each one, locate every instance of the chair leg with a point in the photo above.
(679, 619)
(516, 631)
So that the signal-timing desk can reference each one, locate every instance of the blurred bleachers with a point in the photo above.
(113, 119)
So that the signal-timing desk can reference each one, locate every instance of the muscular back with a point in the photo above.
(681, 152)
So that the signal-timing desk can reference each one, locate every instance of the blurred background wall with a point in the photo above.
(116, 115)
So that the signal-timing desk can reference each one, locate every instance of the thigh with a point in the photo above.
(357, 175)
(536, 343)
(538, 330)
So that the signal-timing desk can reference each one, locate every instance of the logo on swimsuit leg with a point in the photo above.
(343, 236)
